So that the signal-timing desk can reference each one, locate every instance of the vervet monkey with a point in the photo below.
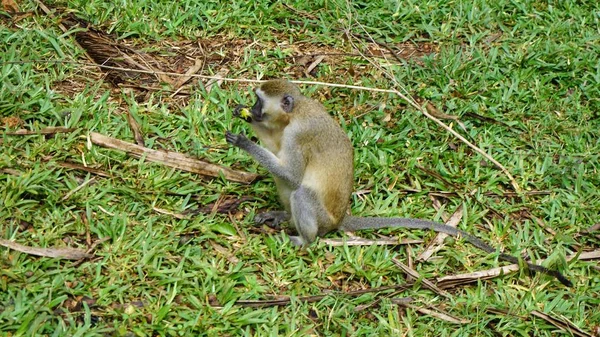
(311, 160)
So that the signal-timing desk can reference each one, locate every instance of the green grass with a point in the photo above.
(532, 67)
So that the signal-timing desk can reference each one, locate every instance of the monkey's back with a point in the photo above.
(329, 161)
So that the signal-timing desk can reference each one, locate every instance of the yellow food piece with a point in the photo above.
(245, 113)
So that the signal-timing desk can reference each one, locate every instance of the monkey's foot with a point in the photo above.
(271, 218)
(297, 241)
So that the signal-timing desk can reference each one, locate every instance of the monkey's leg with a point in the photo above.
(274, 217)
(305, 216)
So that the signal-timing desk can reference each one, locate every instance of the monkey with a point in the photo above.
(312, 163)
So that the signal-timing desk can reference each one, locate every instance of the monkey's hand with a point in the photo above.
(243, 112)
(236, 139)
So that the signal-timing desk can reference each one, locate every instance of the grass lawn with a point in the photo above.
(176, 252)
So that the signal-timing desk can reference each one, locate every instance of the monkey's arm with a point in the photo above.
(352, 223)
(290, 175)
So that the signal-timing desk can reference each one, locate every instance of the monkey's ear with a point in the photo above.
(287, 103)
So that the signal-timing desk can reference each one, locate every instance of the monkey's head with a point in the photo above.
(275, 101)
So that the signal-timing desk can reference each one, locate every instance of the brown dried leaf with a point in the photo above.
(415, 275)
(593, 255)
(167, 212)
(10, 6)
(594, 228)
(356, 241)
(438, 313)
(225, 252)
(213, 301)
(12, 121)
(461, 279)
(10, 171)
(309, 71)
(44, 131)
(436, 244)
(135, 127)
(221, 73)
(75, 166)
(59, 253)
(224, 205)
(564, 325)
(198, 64)
(438, 114)
(172, 159)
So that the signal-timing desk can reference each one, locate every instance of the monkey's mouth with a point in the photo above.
(257, 111)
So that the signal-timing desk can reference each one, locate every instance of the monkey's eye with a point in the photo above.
(287, 103)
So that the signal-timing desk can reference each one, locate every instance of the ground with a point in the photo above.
(177, 253)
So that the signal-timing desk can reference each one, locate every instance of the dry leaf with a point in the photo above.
(198, 64)
(356, 241)
(59, 253)
(437, 313)
(220, 74)
(593, 255)
(226, 252)
(11, 122)
(414, 274)
(309, 71)
(10, 6)
(44, 131)
(460, 279)
(436, 244)
(75, 166)
(172, 159)
(224, 205)
(135, 127)
(562, 324)
(167, 212)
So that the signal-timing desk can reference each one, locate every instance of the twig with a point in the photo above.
(216, 77)
(75, 166)
(378, 300)
(221, 73)
(73, 191)
(98, 242)
(414, 274)
(310, 299)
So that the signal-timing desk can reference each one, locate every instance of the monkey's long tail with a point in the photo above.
(352, 223)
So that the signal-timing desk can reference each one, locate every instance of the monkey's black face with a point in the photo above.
(257, 110)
